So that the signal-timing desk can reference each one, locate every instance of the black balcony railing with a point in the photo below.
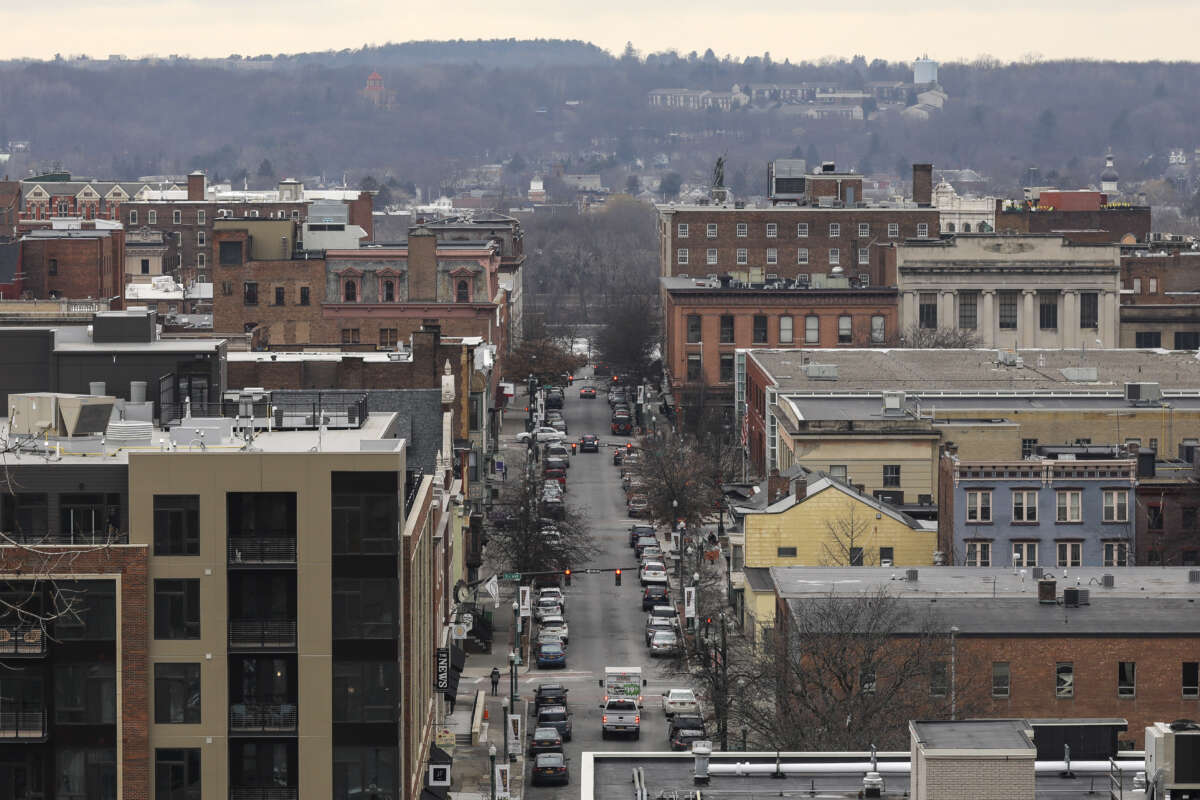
(269, 717)
(23, 724)
(290, 410)
(22, 640)
(261, 551)
(263, 793)
(254, 634)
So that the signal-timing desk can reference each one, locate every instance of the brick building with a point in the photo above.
(1160, 298)
(10, 208)
(1121, 643)
(1168, 507)
(75, 264)
(59, 194)
(1087, 218)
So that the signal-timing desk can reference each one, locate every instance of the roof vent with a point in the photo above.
(911, 574)
(1047, 591)
(1071, 598)
(1038, 572)
(1009, 358)
(1194, 576)
(1085, 596)
(1108, 580)
(821, 372)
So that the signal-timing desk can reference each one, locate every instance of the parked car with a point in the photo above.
(680, 701)
(662, 643)
(549, 694)
(638, 505)
(550, 768)
(555, 592)
(554, 397)
(556, 717)
(545, 740)
(559, 424)
(546, 606)
(653, 572)
(685, 729)
(652, 553)
(549, 636)
(556, 623)
(553, 654)
(655, 594)
(587, 392)
(541, 434)
(657, 624)
(557, 473)
(589, 443)
(622, 424)
(618, 455)
(643, 542)
(638, 530)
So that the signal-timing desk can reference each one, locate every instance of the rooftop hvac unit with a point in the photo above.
(1108, 580)
(1047, 591)
(1173, 758)
(1037, 573)
(1008, 358)
(1071, 598)
(911, 575)
(821, 372)
(59, 414)
(893, 403)
(1143, 394)
(1194, 576)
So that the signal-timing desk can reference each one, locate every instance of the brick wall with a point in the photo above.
(289, 322)
(75, 267)
(129, 562)
(977, 779)
(1169, 272)
(1133, 221)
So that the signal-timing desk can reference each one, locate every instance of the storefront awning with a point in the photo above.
(458, 658)
(452, 683)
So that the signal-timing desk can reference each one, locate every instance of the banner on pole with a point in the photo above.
(526, 609)
(689, 602)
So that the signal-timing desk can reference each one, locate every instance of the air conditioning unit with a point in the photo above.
(1173, 758)
(1143, 394)
(893, 403)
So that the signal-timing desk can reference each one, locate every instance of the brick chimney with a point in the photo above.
(196, 185)
(422, 266)
(922, 190)
(777, 487)
(800, 487)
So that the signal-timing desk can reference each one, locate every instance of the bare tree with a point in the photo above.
(938, 338)
(848, 535)
(680, 482)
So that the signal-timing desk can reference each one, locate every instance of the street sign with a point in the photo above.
(443, 669)
(499, 467)
(458, 631)
(511, 576)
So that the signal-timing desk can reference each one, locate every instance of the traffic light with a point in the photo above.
(629, 445)
(617, 576)
(567, 575)
(614, 378)
(570, 380)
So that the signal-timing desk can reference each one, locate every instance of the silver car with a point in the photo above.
(664, 643)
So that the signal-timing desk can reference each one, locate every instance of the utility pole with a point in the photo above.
(724, 689)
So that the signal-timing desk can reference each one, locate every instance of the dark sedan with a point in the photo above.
(550, 768)
(545, 740)
(589, 443)
(549, 694)
(551, 654)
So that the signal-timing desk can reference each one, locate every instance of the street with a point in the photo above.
(606, 621)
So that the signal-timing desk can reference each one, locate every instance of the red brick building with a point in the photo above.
(1089, 218)
(1160, 298)
(74, 264)
(10, 208)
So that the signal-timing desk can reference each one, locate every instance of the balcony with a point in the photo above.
(262, 634)
(263, 793)
(23, 641)
(76, 538)
(267, 718)
(24, 725)
(259, 552)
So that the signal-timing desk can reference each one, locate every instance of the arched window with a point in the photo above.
(463, 293)
(950, 227)
(966, 227)
(389, 292)
(351, 292)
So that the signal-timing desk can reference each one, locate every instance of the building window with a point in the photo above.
(693, 328)
(350, 292)
(878, 329)
(1028, 447)
(1187, 517)
(1126, 678)
(364, 608)
(864, 280)
(279, 300)
(1191, 680)
(922, 230)
(1024, 506)
(388, 337)
(927, 311)
(1001, 677)
(389, 291)
(177, 773)
(979, 505)
(743, 256)
(785, 552)
(1187, 340)
(681, 230)
(1116, 505)
(177, 609)
(84, 694)
(893, 230)
(1147, 339)
(726, 367)
(145, 266)
(1048, 312)
(176, 525)
(801, 255)
(785, 330)
(812, 329)
(1070, 505)
(200, 238)
(176, 694)
(838, 472)
(835, 230)
(304, 296)
(52, 269)
(152, 217)
(711, 256)
(365, 691)
(681, 256)
(864, 230)
(355, 767)
(462, 293)
(845, 330)
(249, 293)
(1070, 554)
(1116, 554)
(938, 679)
(712, 230)
(979, 554)
(200, 220)
(201, 259)
(856, 557)
(1064, 679)
(968, 310)
(1008, 310)
(891, 475)
(1089, 310)
(802, 279)
(887, 556)
(726, 329)
(835, 256)
(133, 218)
(176, 217)
(801, 230)
(1154, 517)
(1024, 554)
(772, 255)
(1154, 286)
(742, 230)
(772, 230)
(864, 255)
(693, 367)
(350, 336)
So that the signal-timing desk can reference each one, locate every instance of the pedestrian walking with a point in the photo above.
(495, 680)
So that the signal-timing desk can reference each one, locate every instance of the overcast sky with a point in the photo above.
(795, 29)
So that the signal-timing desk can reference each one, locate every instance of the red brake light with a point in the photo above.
(604, 719)
(638, 719)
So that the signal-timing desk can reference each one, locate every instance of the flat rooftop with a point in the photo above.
(930, 371)
(974, 734)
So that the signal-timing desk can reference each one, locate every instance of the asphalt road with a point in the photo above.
(606, 621)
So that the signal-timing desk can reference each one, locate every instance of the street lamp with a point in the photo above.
(516, 607)
(696, 586)
(512, 678)
(492, 771)
(504, 706)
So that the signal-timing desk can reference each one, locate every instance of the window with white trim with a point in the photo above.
(772, 255)
(133, 218)
(681, 256)
(772, 230)
(151, 217)
(1116, 505)
(200, 217)
(176, 217)
(681, 230)
(711, 256)
(1116, 554)
(201, 260)
(1024, 554)
(864, 255)
(743, 256)
(1070, 505)
(864, 280)
(864, 230)
(711, 230)
(1024, 505)
(878, 329)
(979, 505)
(742, 230)
(812, 329)
(785, 330)
(1070, 554)
(893, 230)
(801, 230)
(200, 238)
(835, 230)
(801, 255)
(922, 230)
(979, 554)
(835, 256)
